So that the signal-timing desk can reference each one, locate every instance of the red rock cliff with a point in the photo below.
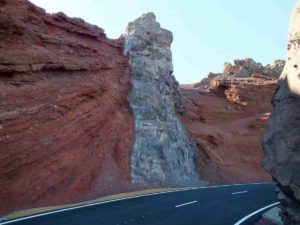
(66, 128)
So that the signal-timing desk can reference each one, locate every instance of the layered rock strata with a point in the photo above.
(282, 138)
(162, 152)
(66, 127)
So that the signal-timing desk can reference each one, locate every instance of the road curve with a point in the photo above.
(224, 205)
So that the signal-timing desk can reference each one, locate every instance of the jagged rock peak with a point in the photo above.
(162, 152)
(144, 37)
(146, 31)
(247, 67)
(147, 20)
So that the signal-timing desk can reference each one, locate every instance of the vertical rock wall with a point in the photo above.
(162, 152)
(282, 138)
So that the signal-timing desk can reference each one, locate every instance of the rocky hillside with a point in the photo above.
(66, 127)
(281, 140)
(226, 115)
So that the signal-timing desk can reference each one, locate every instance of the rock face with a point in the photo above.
(282, 140)
(66, 127)
(162, 152)
(226, 116)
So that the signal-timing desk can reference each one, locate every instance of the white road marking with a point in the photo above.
(184, 204)
(257, 211)
(120, 199)
(240, 192)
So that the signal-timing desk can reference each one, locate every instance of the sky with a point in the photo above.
(206, 33)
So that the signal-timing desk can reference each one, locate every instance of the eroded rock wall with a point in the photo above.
(162, 152)
(66, 127)
(282, 138)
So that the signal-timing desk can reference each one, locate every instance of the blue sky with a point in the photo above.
(206, 32)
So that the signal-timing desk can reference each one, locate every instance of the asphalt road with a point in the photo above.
(208, 206)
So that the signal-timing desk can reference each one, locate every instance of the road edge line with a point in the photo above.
(255, 212)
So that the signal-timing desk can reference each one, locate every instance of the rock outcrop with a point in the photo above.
(248, 67)
(66, 127)
(226, 116)
(162, 152)
(282, 138)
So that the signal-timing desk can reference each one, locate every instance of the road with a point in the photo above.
(224, 205)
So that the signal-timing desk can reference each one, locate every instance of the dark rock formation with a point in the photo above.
(162, 152)
(282, 138)
(66, 127)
